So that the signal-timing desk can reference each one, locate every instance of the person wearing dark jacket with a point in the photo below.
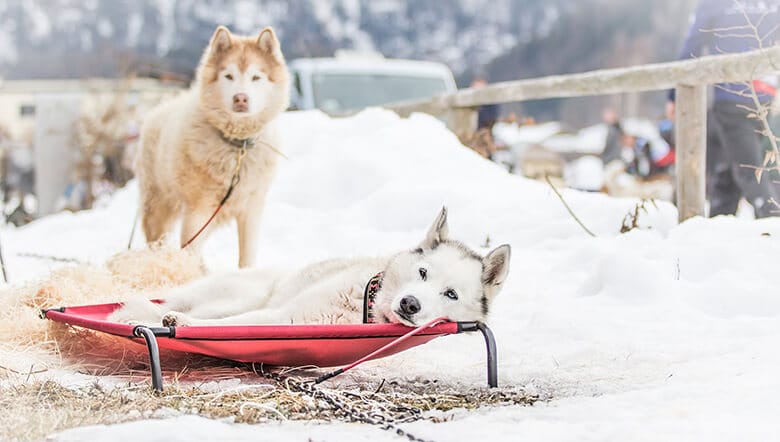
(613, 146)
(720, 26)
(487, 114)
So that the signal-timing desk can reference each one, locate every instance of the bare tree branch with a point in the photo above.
(571, 212)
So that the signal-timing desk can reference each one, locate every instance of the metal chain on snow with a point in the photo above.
(307, 387)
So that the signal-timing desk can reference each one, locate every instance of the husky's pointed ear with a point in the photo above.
(267, 42)
(496, 266)
(221, 40)
(438, 232)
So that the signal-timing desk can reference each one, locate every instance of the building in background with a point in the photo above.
(64, 135)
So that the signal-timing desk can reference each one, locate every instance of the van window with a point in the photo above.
(338, 92)
(295, 92)
(297, 83)
(27, 110)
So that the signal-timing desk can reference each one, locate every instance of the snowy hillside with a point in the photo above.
(667, 333)
(170, 34)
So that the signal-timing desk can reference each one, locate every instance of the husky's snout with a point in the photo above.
(240, 103)
(410, 305)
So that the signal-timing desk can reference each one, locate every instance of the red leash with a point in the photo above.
(233, 183)
(388, 346)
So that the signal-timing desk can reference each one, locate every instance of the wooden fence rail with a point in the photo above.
(689, 77)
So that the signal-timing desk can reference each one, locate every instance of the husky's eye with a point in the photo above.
(423, 273)
(450, 293)
(229, 77)
(255, 77)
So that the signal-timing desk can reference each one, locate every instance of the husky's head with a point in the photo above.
(243, 81)
(441, 277)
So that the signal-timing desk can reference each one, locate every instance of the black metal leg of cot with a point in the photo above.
(154, 354)
(490, 343)
(492, 357)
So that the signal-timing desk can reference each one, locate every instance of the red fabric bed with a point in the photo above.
(285, 345)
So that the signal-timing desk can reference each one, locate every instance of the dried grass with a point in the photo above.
(43, 408)
(53, 345)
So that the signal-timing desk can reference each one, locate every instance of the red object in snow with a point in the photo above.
(285, 345)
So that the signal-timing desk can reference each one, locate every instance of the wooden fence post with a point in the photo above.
(462, 121)
(691, 145)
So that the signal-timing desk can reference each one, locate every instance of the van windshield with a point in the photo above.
(336, 93)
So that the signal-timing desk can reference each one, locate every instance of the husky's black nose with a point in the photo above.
(240, 102)
(410, 305)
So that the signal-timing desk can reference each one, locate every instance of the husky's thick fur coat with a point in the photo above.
(190, 145)
(439, 278)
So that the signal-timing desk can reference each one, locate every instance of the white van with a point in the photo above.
(350, 82)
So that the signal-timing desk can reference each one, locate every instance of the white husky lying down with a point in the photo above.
(441, 277)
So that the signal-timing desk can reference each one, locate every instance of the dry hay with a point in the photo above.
(43, 408)
(29, 344)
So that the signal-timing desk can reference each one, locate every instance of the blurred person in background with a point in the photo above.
(723, 26)
(666, 125)
(644, 158)
(613, 147)
(482, 140)
(487, 115)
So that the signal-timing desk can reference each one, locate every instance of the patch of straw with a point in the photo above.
(132, 273)
(44, 408)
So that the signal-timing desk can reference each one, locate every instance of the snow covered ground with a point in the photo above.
(667, 333)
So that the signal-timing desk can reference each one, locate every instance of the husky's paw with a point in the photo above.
(176, 319)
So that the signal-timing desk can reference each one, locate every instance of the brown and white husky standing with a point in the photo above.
(191, 144)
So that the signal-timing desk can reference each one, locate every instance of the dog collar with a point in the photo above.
(241, 143)
(369, 297)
